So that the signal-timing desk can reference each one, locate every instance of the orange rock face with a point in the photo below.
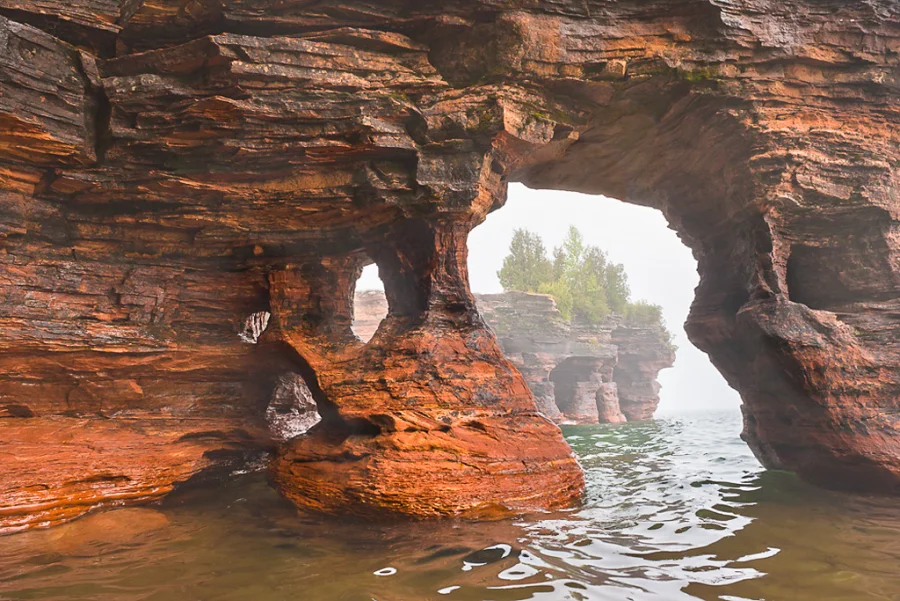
(572, 369)
(428, 418)
(54, 469)
(167, 171)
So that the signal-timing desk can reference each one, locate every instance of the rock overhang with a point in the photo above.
(167, 172)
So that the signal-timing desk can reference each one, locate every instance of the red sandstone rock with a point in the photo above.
(576, 382)
(608, 409)
(566, 366)
(428, 418)
(101, 532)
(167, 170)
(54, 469)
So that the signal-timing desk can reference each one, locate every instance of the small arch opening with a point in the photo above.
(370, 305)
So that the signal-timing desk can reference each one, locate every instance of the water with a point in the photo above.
(676, 510)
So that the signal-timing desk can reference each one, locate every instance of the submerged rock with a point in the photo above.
(103, 532)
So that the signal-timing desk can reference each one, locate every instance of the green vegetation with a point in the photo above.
(586, 286)
(642, 312)
(526, 267)
(697, 75)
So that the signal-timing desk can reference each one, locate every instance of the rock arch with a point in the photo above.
(430, 419)
(167, 170)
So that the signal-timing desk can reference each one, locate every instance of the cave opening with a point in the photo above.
(614, 371)
(575, 369)
(370, 305)
(578, 383)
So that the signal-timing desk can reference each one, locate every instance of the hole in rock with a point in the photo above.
(576, 380)
(622, 286)
(292, 409)
(370, 306)
(584, 362)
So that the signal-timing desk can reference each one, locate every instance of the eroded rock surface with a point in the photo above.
(292, 410)
(426, 419)
(56, 468)
(609, 410)
(168, 169)
(641, 357)
(604, 372)
(572, 369)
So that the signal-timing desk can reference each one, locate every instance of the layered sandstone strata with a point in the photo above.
(168, 169)
(428, 418)
(643, 353)
(582, 373)
(578, 373)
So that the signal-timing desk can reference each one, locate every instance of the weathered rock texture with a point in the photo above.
(575, 371)
(568, 366)
(642, 354)
(292, 410)
(168, 169)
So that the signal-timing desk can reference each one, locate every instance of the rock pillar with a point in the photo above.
(429, 418)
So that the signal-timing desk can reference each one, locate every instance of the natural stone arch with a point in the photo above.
(430, 419)
(177, 166)
(578, 383)
(771, 207)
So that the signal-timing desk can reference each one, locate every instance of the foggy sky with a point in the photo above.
(660, 270)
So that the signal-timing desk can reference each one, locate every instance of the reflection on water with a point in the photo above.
(676, 509)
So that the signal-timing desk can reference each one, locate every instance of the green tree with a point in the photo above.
(618, 293)
(580, 269)
(561, 294)
(642, 313)
(573, 249)
(584, 283)
(526, 267)
(559, 264)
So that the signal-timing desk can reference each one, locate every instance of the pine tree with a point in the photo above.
(526, 267)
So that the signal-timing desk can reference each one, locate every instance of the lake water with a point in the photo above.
(676, 509)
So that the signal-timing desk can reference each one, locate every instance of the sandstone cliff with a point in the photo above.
(578, 373)
(168, 169)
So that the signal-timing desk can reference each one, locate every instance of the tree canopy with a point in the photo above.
(527, 266)
(585, 284)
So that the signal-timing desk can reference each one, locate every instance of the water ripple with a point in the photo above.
(676, 510)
